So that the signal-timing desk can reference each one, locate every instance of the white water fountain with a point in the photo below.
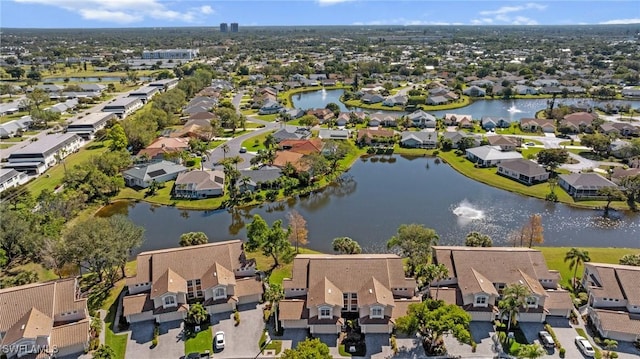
(324, 94)
(467, 213)
(513, 109)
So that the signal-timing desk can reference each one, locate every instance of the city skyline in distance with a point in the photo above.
(176, 13)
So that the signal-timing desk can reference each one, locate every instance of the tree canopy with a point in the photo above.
(346, 245)
(308, 349)
(272, 241)
(477, 239)
(414, 241)
(193, 238)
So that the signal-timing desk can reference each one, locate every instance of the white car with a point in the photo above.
(585, 346)
(218, 340)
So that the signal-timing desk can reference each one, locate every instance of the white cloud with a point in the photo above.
(330, 2)
(509, 9)
(621, 21)
(127, 11)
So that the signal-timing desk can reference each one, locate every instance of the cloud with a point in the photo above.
(509, 9)
(621, 21)
(330, 2)
(127, 11)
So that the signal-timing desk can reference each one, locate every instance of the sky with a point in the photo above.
(172, 13)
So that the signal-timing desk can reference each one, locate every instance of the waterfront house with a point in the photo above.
(477, 276)
(490, 123)
(167, 281)
(579, 121)
(436, 100)
(252, 180)
(525, 171)
(614, 300)
(584, 185)
(199, 184)
(422, 119)
(270, 107)
(144, 175)
(325, 290)
(452, 119)
(373, 137)
(537, 125)
(487, 156)
(43, 320)
(456, 136)
(397, 100)
(421, 139)
(371, 98)
(305, 147)
(474, 91)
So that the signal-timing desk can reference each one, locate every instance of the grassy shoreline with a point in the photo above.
(464, 102)
(288, 95)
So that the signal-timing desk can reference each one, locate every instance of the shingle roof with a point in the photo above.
(374, 292)
(490, 153)
(618, 321)
(558, 299)
(168, 282)
(33, 324)
(292, 309)
(134, 304)
(69, 335)
(217, 275)
(248, 286)
(616, 281)
(324, 292)
(586, 180)
(523, 166)
(201, 180)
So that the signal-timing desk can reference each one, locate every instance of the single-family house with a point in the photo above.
(164, 148)
(371, 98)
(259, 179)
(456, 136)
(505, 143)
(372, 137)
(383, 119)
(326, 134)
(270, 107)
(322, 114)
(474, 91)
(452, 119)
(199, 184)
(325, 289)
(422, 119)
(437, 100)
(478, 275)
(294, 113)
(487, 156)
(300, 133)
(524, 90)
(619, 173)
(614, 300)
(167, 281)
(193, 128)
(522, 170)
(537, 125)
(294, 158)
(630, 92)
(584, 185)
(303, 146)
(397, 100)
(144, 175)
(38, 156)
(578, 121)
(44, 320)
(10, 178)
(490, 123)
(421, 139)
(620, 129)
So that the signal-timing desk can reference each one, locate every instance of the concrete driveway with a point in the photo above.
(482, 333)
(290, 337)
(241, 341)
(170, 341)
(566, 335)
(408, 347)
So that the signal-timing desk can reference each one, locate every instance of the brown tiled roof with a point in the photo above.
(400, 307)
(135, 304)
(558, 299)
(169, 282)
(477, 283)
(449, 295)
(579, 117)
(217, 275)
(500, 141)
(33, 324)
(179, 308)
(71, 334)
(533, 284)
(324, 292)
(304, 147)
(523, 166)
(202, 116)
(201, 180)
(248, 286)
(282, 157)
(615, 321)
(187, 261)
(616, 281)
(292, 309)
(374, 292)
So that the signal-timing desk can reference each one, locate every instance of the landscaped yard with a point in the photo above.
(163, 196)
(201, 342)
(265, 263)
(117, 342)
(555, 258)
(251, 145)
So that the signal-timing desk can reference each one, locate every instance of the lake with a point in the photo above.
(380, 193)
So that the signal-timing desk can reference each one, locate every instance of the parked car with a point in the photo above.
(585, 346)
(243, 149)
(218, 340)
(530, 144)
(546, 340)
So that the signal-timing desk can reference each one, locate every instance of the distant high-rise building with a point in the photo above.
(224, 27)
(234, 27)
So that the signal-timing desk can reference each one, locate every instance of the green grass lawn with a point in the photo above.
(250, 143)
(163, 197)
(272, 117)
(530, 152)
(555, 259)
(397, 150)
(53, 177)
(200, 343)
(14, 139)
(513, 130)
(265, 263)
(5, 145)
(275, 345)
(489, 176)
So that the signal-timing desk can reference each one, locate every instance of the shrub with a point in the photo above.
(394, 344)
(154, 342)
(474, 346)
(563, 351)
(548, 328)
(236, 317)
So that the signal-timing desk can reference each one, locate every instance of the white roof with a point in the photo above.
(492, 153)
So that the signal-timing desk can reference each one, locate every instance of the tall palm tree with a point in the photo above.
(235, 160)
(434, 272)
(514, 298)
(269, 141)
(225, 150)
(576, 257)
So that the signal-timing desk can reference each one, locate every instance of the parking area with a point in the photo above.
(482, 333)
(170, 341)
(242, 340)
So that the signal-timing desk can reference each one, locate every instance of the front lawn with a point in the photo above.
(554, 257)
(200, 342)
(255, 143)
(163, 197)
(272, 117)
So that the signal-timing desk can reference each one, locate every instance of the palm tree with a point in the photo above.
(269, 141)
(225, 150)
(514, 297)
(235, 160)
(610, 345)
(576, 257)
(433, 272)
(274, 294)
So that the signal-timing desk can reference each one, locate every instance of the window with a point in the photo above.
(532, 302)
(377, 312)
(169, 301)
(481, 300)
(325, 313)
(219, 293)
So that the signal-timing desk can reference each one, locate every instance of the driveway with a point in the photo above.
(566, 335)
(408, 347)
(170, 341)
(241, 341)
(482, 333)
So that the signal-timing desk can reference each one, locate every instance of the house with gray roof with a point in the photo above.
(525, 171)
(123, 106)
(259, 179)
(437, 100)
(143, 175)
(199, 184)
(270, 107)
(11, 128)
(489, 123)
(326, 134)
(487, 156)
(38, 156)
(87, 126)
(10, 178)
(474, 91)
(584, 185)
(456, 136)
(164, 84)
(145, 93)
(421, 139)
(422, 119)
(288, 134)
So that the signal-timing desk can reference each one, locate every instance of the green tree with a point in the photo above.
(630, 260)
(514, 298)
(228, 118)
(432, 319)
(308, 349)
(334, 151)
(346, 245)
(274, 294)
(269, 141)
(631, 188)
(610, 345)
(104, 352)
(611, 194)
(118, 138)
(477, 239)
(193, 239)
(333, 107)
(432, 273)
(576, 257)
(552, 158)
(414, 242)
(465, 142)
(531, 351)
(598, 142)
(196, 314)
(272, 241)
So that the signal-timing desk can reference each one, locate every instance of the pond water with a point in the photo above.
(380, 193)
(510, 109)
(91, 79)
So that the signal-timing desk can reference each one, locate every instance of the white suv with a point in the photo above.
(585, 347)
